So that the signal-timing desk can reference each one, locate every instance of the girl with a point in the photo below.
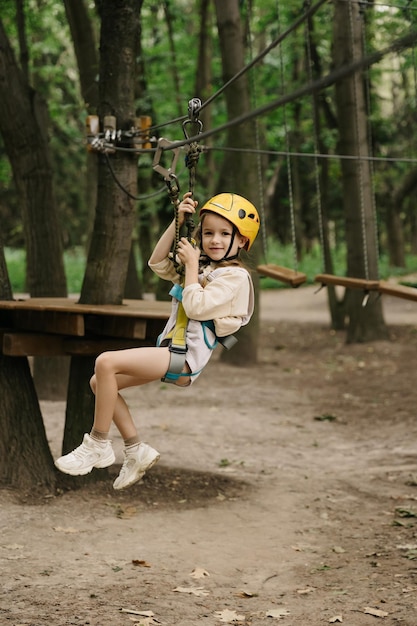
(216, 298)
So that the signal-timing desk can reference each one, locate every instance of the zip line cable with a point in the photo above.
(313, 155)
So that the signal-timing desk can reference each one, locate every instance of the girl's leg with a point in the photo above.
(114, 371)
(119, 370)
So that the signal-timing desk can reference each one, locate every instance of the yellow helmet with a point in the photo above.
(237, 210)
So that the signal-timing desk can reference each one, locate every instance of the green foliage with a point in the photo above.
(74, 260)
(169, 82)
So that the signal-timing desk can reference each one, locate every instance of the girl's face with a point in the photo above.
(216, 235)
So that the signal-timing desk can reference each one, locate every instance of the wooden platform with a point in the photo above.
(349, 283)
(397, 291)
(62, 326)
(283, 274)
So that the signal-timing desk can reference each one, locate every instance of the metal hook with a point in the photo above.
(167, 173)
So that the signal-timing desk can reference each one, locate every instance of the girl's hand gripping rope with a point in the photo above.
(186, 206)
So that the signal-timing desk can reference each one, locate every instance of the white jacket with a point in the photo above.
(224, 295)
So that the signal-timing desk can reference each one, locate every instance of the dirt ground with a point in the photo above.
(286, 493)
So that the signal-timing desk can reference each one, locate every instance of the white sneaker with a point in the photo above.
(88, 455)
(136, 463)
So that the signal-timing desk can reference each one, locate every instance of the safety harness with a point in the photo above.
(177, 338)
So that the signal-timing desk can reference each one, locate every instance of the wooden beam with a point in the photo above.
(35, 344)
(128, 327)
(60, 323)
(398, 291)
(283, 274)
(349, 283)
(29, 344)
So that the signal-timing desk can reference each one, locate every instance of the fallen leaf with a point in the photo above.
(304, 591)
(133, 612)
(336, 618)
(140, 563)
(245, 594)
(197, 591)
(229, 617)
(338, 550)
(405, 512)
(277, 613)
(125, 512)
(199, 572)
(375, 612)
(69, 530)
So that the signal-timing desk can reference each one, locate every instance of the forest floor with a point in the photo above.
(286, 494)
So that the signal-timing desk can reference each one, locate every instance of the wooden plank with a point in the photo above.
(349, 283)
(94, 347)
(31, 344)
(146, 309)
(398, 291)
(60, 323)
(128, 327)
(283, 274)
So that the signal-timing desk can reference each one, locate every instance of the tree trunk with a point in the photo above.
(108, 258)
(24, 127)
(366, 323)
(239, 173)
(26, 462)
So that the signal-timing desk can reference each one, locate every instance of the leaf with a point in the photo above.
(405, 512)
(375, 612)
(199, 572)
(69, 530)
(246, 594)
(197, 591)
(133, 612)
(125, 512)
(336, 618)
(229, 617)
(277, 613)
(305, 591)
(140, 563)
(338, 550)
(326, 417)
(147, 618)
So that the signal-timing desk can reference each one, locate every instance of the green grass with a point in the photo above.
(311, 264)
(74, 261)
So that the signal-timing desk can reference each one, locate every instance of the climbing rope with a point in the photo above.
(193, 151)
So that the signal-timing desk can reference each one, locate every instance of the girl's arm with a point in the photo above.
(163, 247)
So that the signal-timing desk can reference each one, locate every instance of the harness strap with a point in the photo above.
(178, 336)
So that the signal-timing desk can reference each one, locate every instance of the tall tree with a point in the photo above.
(24, 128)
(107, 263)
(239, 173)
(366, 323)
